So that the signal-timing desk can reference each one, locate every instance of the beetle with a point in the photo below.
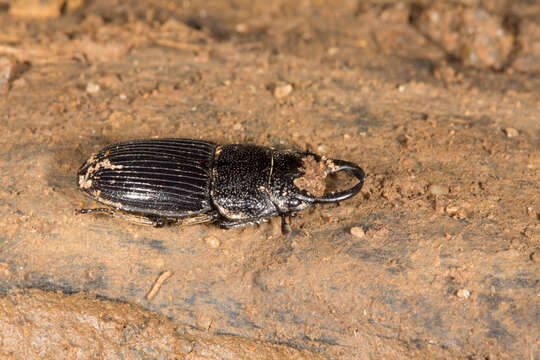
(161, 182)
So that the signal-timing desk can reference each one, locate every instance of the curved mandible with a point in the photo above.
(352, 169)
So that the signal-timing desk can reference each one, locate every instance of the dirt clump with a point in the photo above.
(314, 178)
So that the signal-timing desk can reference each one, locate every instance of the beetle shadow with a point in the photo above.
(66, 160)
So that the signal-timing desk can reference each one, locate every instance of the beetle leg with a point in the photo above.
(198, 219)
(285, 223)
(95, 210)
(229, 224)
(154, 221)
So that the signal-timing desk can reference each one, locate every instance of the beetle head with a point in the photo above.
(299, 180)
(288, 170)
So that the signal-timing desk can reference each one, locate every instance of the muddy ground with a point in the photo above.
(439, 257)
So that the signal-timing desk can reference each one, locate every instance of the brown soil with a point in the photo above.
(81, 326)
(438, 102)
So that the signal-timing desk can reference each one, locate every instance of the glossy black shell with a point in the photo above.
(173, 179)
(165, 177)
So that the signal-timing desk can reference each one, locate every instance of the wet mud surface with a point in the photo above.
(437, 257)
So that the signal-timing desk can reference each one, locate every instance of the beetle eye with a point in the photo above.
(294, 203)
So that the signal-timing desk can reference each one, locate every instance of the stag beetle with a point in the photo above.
(160, 182)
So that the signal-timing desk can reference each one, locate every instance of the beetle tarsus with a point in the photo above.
(95, 210)
(157, 222)
(286, 223)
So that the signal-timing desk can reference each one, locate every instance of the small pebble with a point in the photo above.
(511, 132)
(322, 149)
(451, 210)
(213, 242)
(6, 73)
(93, 88)
(531, 212)
(241, 28)
(401, 88)
(123, 96)
(438, 189)
(282, 91)
(333, 51)
(358, 232)
(238, 127)
(5, 272)
(535, 257)
(463, 293)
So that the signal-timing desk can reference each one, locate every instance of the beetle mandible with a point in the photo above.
(183, 181)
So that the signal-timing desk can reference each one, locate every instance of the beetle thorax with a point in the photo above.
(254, 182)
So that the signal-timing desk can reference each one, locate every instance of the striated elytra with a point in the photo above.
(182, 181)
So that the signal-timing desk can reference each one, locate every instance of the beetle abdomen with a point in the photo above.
(164, 177)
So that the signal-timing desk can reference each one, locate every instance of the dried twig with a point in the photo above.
(157, 284)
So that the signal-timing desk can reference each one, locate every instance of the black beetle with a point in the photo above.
(181, 181)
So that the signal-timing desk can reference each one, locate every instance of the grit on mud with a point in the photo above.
(438, 257)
